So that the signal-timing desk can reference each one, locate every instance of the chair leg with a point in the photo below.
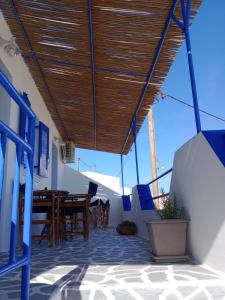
(86, 222)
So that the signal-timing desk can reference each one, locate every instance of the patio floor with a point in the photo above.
(109, 266)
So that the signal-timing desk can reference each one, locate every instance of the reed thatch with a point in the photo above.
(55, 44)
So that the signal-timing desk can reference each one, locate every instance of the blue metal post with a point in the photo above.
(28, 213)
(186, 20)
(2, 164)
(121, 159)
(14, 217)
(92, 69)
(134, 128)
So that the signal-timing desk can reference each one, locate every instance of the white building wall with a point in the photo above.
(111, 182)
(76, 182)
(198, 181)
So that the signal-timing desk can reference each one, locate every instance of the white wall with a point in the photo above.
(138, 215)
(198, 181)
(111, 182)
(22, 80)
(76, 182)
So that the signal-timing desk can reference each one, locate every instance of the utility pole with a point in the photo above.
(153, 153)
(78, 164)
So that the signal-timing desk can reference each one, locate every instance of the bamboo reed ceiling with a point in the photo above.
(54, 38)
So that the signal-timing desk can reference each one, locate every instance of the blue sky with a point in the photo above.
(174, 123)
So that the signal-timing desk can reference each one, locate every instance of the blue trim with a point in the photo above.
(216, 139)
(92, 69)
(23, 125)
(126, 202)
(151, 69)
(43, 149)
(145, 197)
(134, 129)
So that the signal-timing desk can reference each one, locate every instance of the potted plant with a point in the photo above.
(168, 234)
(127, 228)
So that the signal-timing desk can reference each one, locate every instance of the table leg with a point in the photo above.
(86, 221)
(53, 216)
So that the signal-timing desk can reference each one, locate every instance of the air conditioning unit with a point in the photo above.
(68, 152)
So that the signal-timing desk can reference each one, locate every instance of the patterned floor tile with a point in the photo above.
(109, 266)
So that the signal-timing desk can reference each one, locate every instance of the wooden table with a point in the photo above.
(77, 200)
(43, 201)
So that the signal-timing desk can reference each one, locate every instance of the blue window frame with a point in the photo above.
(43, 150)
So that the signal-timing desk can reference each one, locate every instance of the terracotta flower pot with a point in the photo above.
(168, 239)
(126, 230)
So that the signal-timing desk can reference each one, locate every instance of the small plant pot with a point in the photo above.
(168, 239)
(126, 229)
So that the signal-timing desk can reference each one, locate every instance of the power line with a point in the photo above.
(163, 96)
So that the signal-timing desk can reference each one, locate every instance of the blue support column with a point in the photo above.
(134, 129)
(121, 160)
(186, 21)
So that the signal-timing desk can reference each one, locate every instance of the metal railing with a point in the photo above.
(157, 178)
(6, 133)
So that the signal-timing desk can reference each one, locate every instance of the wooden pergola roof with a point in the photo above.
(90, 61)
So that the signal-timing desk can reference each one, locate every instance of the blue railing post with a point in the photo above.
(22, 144)
(2, 165)
(121, 160)
(134, 129)
(25, 285)
(14, 217)
(186, 20)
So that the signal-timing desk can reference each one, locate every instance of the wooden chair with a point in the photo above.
(71, 206)
(43, 202)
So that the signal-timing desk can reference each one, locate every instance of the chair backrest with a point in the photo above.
(92, 189)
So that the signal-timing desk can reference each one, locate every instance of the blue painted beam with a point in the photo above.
(63, 62)
(151, 69)
(92, 68)
(35, 59)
